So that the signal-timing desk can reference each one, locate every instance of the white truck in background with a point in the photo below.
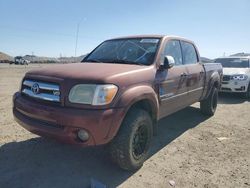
(19, 60)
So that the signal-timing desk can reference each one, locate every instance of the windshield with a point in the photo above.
(127, 51)
(233, 62)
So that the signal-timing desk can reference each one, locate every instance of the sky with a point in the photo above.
(48, 28)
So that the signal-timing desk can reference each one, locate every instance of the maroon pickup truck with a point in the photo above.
(116, 95)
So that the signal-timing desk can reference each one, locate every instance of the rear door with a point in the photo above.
(172, 82)
(196, 73)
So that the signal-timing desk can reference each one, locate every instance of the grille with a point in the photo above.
(41, 90)
(226, 78)
(225, 89)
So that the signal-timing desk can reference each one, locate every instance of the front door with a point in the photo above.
(172, 82)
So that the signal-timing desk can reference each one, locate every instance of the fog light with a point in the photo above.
(83, 135)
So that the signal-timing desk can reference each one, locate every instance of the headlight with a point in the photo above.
(239, 77)
(93, 94)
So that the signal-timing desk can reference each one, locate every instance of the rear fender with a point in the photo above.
(214, 79)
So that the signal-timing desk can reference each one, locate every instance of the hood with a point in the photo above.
(232, 71)
(96, 72)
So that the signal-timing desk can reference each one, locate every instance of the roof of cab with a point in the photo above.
(140, 36)
(152, 36)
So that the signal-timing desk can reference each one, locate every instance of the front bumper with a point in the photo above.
(234, 86)
(63, 123)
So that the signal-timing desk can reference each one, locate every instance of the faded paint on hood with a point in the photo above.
(98, 72)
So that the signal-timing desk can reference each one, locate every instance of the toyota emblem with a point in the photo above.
(35, 88)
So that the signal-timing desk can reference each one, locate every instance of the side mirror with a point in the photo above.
(168, 62)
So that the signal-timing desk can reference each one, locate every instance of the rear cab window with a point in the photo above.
(189, 53)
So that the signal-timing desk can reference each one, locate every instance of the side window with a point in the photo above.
(189, 53)
(173, 48)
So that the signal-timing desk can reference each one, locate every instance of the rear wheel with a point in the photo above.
(247, 94)
(209, 105)
(130, 148)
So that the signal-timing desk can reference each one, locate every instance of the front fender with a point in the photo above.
(130, 97)
(138, 93)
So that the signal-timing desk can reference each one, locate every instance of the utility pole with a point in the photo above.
(32, 57)
(77, 33)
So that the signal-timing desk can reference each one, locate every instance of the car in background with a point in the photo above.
(236, 74)
(19, 60)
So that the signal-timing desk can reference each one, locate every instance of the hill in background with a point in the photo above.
(206, 60)
(241, 54)
(5, 57)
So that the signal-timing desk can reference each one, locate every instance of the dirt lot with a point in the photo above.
(188, 150)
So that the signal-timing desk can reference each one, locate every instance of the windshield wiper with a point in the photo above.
(124, 62)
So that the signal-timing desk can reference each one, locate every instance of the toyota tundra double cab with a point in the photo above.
(116, 95)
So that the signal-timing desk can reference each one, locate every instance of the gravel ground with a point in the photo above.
(190, 150)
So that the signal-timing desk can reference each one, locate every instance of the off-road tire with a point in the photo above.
(122, 147)
(208, 106)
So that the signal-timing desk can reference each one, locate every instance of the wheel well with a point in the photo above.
(216, 84)
(211, 86)
(148, 106)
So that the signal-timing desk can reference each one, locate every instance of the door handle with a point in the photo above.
(202, 72)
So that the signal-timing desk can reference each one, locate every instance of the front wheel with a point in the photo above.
(209, 105)
(130, 148)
